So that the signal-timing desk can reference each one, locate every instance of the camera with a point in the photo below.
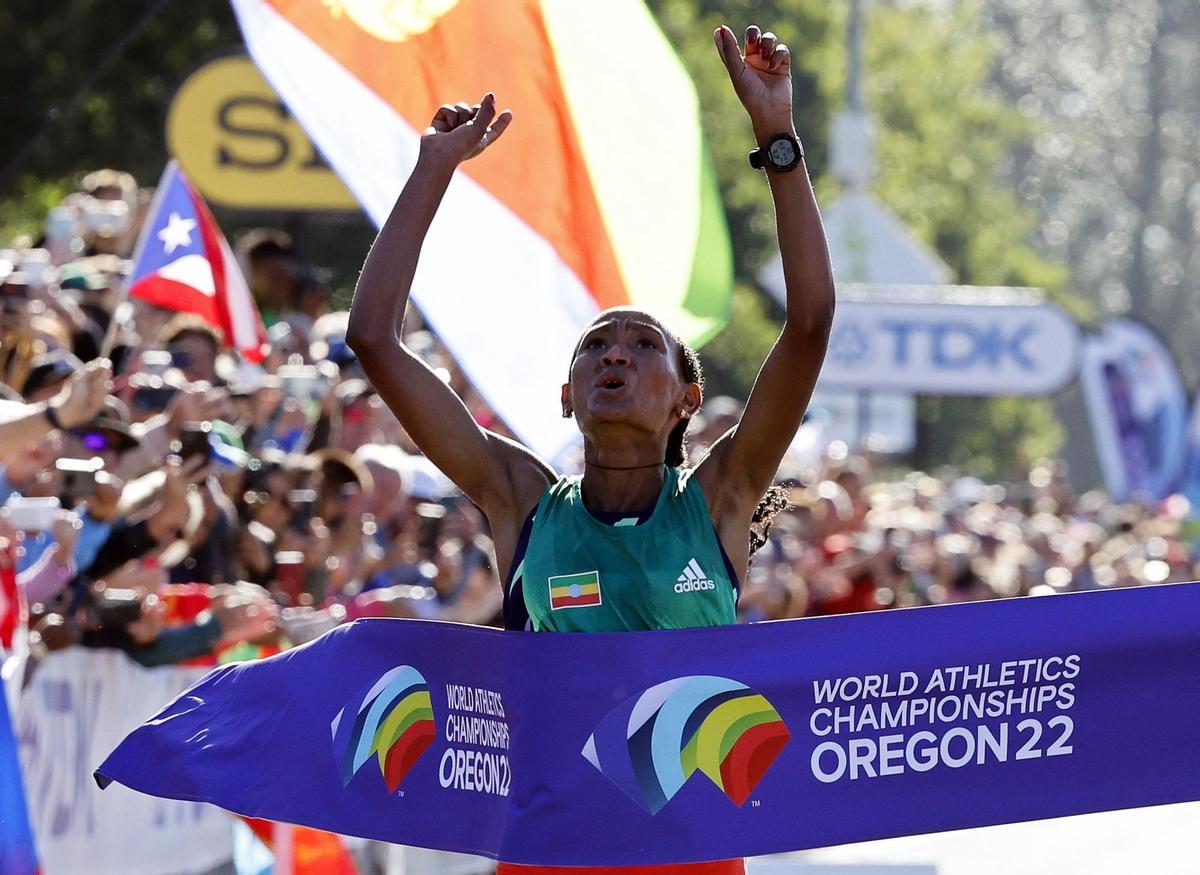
(78, 478)
(194, 440)
(156, 362)
(153, 398)
(32, 514)
(117, 607)
(302, 503)
(430, 517)
(303, 382)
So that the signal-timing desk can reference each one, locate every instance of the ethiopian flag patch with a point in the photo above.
(575, 590)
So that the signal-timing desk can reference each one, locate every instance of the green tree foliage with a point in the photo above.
(54, 47)
(1109, 90)
(806, 27)
(945, 136)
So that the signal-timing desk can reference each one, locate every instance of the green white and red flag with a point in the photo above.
(600, 194)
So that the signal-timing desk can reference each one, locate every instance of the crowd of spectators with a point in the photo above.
(281, 498)
(172, 500)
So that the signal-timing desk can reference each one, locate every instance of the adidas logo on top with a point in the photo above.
(693, 578)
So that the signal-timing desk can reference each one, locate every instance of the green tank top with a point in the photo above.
(582, 575)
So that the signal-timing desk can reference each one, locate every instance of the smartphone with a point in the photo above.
(61, 224)
(430, 517)
(180, 358)
(105, 217)
(153, 399)
(301, 381)
(35, 264)
(156, 361)
(16, 287)
(302, 503)
(118, 607)
(32, 514)
(194, 440)
(78, 478)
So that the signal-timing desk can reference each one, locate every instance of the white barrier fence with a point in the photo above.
(79, 704)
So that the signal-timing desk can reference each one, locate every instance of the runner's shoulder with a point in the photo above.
(525, 477)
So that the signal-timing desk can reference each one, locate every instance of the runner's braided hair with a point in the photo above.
(773, 502)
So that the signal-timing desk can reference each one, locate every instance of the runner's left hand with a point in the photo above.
(761, 77)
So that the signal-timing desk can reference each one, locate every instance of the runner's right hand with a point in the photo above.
(460, 132)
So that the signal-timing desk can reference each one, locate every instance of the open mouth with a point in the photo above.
(610, 381)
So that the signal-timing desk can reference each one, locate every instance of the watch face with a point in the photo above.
(782, 153)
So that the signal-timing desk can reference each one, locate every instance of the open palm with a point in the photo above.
(761, 75)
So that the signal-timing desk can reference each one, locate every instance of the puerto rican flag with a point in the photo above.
(184, 263)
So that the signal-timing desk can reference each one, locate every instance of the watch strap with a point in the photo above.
(51, 416)
(760, 157)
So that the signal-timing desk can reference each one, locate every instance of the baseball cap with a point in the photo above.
(48, 369)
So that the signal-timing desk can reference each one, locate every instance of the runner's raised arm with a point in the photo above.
(743, 463)
(493, 471)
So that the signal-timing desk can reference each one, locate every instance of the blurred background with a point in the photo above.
(1012, 198)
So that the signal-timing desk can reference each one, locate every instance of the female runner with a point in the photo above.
(667, 543)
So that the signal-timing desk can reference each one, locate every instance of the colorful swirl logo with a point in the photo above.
(650, 745)
(393, 722)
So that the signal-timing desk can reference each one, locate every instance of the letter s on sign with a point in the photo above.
(227, 122)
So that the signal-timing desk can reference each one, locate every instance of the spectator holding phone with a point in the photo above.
(80, 399)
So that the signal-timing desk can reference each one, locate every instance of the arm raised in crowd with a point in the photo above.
(492, 470)
(80, 400)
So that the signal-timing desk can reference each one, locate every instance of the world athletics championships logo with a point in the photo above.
(393, 722)
(652, 743)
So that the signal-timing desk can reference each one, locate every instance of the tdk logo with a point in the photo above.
(693, 578)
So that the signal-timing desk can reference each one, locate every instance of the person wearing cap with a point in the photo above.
(48, 372)
(194, 346)
(105, 437)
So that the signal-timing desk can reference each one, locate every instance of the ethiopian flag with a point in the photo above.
(575, 590)
(599, 194)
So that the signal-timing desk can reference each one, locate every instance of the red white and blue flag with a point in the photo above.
(184, 263)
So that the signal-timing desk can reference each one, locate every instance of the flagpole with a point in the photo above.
(110, 335)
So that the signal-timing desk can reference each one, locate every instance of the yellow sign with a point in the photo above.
(241, 147)
(392, 20)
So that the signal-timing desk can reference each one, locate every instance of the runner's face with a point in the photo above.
(626, 370)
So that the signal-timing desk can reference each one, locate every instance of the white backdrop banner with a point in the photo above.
(950, 348)
(80, 704)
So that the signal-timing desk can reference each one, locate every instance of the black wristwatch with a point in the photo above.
(783, 152)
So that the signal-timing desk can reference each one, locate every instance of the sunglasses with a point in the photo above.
(97, 441)
(181, 359)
